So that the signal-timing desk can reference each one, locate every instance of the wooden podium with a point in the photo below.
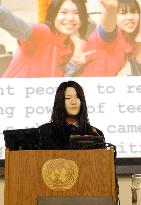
(60, 177)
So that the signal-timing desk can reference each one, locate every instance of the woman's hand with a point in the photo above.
(79, 56)
(78, 60)
(109, 15)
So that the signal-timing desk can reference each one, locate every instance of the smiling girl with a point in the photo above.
(128, 20)
(44, 48)
(119, 46)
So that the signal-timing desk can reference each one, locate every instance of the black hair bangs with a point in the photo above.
(129, 6)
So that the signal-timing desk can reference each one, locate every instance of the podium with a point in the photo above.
(60, 177)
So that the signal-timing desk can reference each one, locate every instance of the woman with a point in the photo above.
(69, 116)
(128, 20)
(105, 59)
(44, 48)
(123, 47)
(118, 46)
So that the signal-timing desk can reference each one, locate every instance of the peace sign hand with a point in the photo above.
(79, 56)
(75, 65)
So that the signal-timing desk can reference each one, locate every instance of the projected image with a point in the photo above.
(69, 41)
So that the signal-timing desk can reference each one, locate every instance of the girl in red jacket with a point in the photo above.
(114, 49)
(128, 20)
(44, 48)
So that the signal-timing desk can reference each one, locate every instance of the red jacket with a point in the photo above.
(108, 58)
(40, 56)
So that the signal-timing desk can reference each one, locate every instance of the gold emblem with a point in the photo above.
(60, 174)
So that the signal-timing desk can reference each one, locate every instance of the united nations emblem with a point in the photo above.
(60, 174)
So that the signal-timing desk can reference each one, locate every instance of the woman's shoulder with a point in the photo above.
(40, 29)
(45, 126)
(50, 126)
(46, 129)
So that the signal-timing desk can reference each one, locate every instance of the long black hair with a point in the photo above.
(133, 6)
(59, 113)
(82, 10)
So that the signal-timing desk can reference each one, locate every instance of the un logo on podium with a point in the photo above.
(60, 174)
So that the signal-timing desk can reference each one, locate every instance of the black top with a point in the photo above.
(56, 136)
(48, 136)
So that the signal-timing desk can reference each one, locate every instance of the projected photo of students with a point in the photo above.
(61, 47)
(128, 20)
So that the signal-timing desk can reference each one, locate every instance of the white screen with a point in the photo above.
(114, 106)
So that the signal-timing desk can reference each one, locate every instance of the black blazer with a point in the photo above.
(56, 136)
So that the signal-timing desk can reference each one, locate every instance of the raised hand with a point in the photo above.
(109, 15)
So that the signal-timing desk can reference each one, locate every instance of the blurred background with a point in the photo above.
(27, 10)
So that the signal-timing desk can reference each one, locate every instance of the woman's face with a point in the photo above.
(72, 102)
(67, 20)
(127, 20)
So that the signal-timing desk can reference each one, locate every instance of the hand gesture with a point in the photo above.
(79, 56)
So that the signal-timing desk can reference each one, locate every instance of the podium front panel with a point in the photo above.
(70, 173)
